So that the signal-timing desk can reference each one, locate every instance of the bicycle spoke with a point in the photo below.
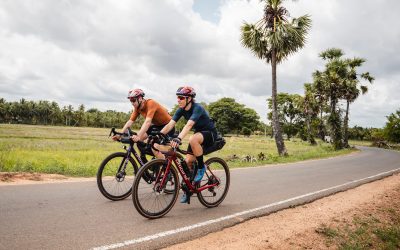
(152, 200)
(217, 176)
(116, 176)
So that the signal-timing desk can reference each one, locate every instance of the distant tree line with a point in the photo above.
(49, 113)
(389, 133)
(229, 116)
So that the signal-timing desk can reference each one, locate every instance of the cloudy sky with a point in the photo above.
(92, 52)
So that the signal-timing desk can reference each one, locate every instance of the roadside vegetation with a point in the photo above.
(79, 151)
(375, 228)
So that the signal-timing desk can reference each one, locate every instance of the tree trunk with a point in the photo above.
(346, 127)
(310, 136)
(275, 120)
(334, 121)
(321, 132)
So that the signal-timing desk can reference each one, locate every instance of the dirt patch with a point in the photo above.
(303, 227)
(16, 178)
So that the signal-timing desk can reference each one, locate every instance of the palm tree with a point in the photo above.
(318, 87)
(311, 109)
(273, 39)
(352, 90)
(332, 80)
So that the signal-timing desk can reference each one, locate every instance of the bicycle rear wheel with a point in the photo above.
(150, 199)
(217, 172)
(115, 176)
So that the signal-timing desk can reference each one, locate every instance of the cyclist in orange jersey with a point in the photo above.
(156, 116)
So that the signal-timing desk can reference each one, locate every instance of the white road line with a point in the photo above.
(205, 223)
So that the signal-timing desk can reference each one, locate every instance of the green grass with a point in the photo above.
(365, 232)
(368, 233)
(327, 231)
(360, 143)
(298, 151)
(79, 151)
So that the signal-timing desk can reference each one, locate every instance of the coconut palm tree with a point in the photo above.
(273, 39)
(352, 90)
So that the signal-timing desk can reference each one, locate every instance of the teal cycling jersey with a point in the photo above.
(196, 113)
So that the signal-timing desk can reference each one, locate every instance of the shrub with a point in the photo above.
(246, 131)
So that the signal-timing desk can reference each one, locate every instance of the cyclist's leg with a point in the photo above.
(156, 153)
(197, 141)
(189, 159)
(157, 146)
(142, 138)
(155, 128)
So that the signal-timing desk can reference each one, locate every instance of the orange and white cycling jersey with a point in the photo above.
(154, 110)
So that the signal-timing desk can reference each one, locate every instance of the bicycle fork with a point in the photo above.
(159, 185)
(121, 173)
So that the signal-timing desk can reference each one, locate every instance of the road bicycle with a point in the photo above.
(117, 171)
(151, 199)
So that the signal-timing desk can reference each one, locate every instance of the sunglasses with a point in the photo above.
(181, 97)
(132, 99)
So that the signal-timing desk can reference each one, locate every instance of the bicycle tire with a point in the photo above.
(108, 183)
(142, 190)
(208, 196)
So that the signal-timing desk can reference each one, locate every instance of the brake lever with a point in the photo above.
(112, 131)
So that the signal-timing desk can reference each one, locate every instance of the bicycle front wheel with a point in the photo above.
(217, 172)
(115, 176)
(150, 198)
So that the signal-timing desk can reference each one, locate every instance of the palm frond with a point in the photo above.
(253, 38)
(331, 54)
(367, 77)
(364, 89)
(274, 32)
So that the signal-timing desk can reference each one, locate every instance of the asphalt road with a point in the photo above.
(76, 216)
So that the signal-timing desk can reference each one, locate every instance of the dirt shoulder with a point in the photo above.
(300, 227)
(13, 178)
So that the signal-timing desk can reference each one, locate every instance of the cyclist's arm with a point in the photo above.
(186, 129)
(131, 120)
(168, 127)
(127, 125)
(145, 126)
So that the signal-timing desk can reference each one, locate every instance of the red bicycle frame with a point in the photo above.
(172, 157)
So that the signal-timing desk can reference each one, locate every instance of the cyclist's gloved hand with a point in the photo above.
(135, 138)
(116, 137)
(176, 142)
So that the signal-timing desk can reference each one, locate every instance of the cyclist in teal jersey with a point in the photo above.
(198, 119)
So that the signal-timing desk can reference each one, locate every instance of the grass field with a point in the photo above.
(79, 151)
